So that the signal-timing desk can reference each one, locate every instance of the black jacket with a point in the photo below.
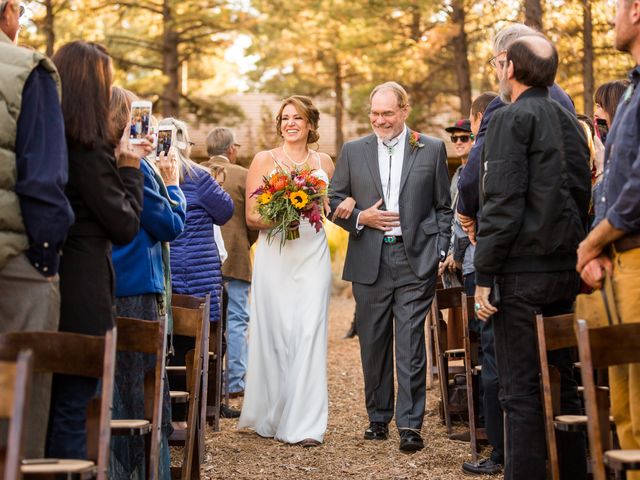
(107, 202)
(536, 185)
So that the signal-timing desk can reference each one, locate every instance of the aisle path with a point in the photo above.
(344, 455)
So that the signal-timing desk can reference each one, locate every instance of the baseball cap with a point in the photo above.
(463, 125)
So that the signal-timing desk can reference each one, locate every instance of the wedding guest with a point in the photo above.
(238, 237)
(140, 293)
(35, 214)
(105, 191)
(195, 260)
(536, 188)
(286, 394)
(614, 244)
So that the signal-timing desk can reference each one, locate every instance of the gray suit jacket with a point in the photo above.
(425, 205)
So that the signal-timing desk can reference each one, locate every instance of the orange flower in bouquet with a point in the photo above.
(286, 198)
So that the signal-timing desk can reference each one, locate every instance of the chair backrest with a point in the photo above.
(191, 319)
(603, 347)
(75, 354)
(553, 333)
(15, 384)
(448, 298)
(146, 336)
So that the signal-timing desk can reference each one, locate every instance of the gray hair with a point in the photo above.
(401, 93)
(505, 37)
(186, 165)
(219, 141)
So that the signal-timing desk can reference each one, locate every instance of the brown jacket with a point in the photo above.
(238, 238)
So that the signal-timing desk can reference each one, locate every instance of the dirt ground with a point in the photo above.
(231, 454)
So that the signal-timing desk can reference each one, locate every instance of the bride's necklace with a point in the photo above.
(292, 160)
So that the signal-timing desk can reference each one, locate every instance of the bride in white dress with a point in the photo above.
(286, 382)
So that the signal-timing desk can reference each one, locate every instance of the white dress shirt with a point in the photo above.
(391, 180)
(392, 203)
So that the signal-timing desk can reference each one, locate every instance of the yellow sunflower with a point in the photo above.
(264, 198)
(299, 199)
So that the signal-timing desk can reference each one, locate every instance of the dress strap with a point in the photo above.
(275, 160)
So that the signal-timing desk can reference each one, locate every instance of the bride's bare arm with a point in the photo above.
(260, 166)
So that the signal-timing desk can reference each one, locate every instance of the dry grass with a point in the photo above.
(231, 454)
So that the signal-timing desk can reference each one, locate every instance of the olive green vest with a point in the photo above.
(16, 64)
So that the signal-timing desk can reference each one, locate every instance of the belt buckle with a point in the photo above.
(389, 239)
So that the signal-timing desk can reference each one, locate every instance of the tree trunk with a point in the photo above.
(461, 60)
(50, 34)
(339, 106)
(533, 14)
(170, 105)
(587, 58)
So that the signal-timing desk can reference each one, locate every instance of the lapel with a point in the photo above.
(409, 158)
(371, 158)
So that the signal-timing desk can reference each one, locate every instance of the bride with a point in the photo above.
(286, 382)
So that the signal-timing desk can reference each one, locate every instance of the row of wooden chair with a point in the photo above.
(595, 347)
(22, 353)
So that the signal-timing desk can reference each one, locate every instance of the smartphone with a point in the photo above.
(166, 137)
(601, 129)
(140, 121)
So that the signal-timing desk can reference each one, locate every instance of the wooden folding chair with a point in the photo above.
(442, 300)
(15, 384)
(472, 372)
(194, 323)
(147, 337)
(73, 354)
(599, 348)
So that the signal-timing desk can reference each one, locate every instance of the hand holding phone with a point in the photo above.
(168, 166)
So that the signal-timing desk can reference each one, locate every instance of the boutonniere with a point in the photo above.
(414, 140)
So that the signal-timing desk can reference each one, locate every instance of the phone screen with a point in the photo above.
(139, 121)
(164, 142)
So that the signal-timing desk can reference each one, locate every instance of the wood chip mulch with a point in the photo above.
(233, 454)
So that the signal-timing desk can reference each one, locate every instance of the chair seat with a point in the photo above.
(178, 396)
(623, 459)
(574, 423)
(130, 427)
(454, 353)
(83, 468)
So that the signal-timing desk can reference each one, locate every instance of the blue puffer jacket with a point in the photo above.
(195, 262)
(138, 265)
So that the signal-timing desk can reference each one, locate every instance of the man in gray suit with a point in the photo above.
(400, 228)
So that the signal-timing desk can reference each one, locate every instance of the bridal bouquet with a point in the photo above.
(286, 197)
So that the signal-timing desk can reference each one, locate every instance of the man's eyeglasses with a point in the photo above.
(494, 62)
(386, 115)
(461, 138)
(237, 145)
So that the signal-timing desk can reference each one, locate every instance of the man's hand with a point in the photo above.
(468, 224)
(448, 264)
(587, 251)
(379, 219)
(592, 273)
(345, 209)
(482, 307)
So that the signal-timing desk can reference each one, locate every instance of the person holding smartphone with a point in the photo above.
(141, 292)
(105, 191)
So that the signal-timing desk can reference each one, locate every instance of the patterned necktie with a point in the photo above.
(390, 144)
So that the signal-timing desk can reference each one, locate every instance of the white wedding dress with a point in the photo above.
(286, 381)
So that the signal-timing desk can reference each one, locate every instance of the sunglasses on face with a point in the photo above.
(462, 138)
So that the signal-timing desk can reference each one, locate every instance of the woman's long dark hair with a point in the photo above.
(85, 73)
(608, 96)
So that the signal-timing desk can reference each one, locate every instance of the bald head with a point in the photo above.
(535, 61)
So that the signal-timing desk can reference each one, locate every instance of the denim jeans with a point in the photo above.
(70, 396)
(237, 326)
(524, 295)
